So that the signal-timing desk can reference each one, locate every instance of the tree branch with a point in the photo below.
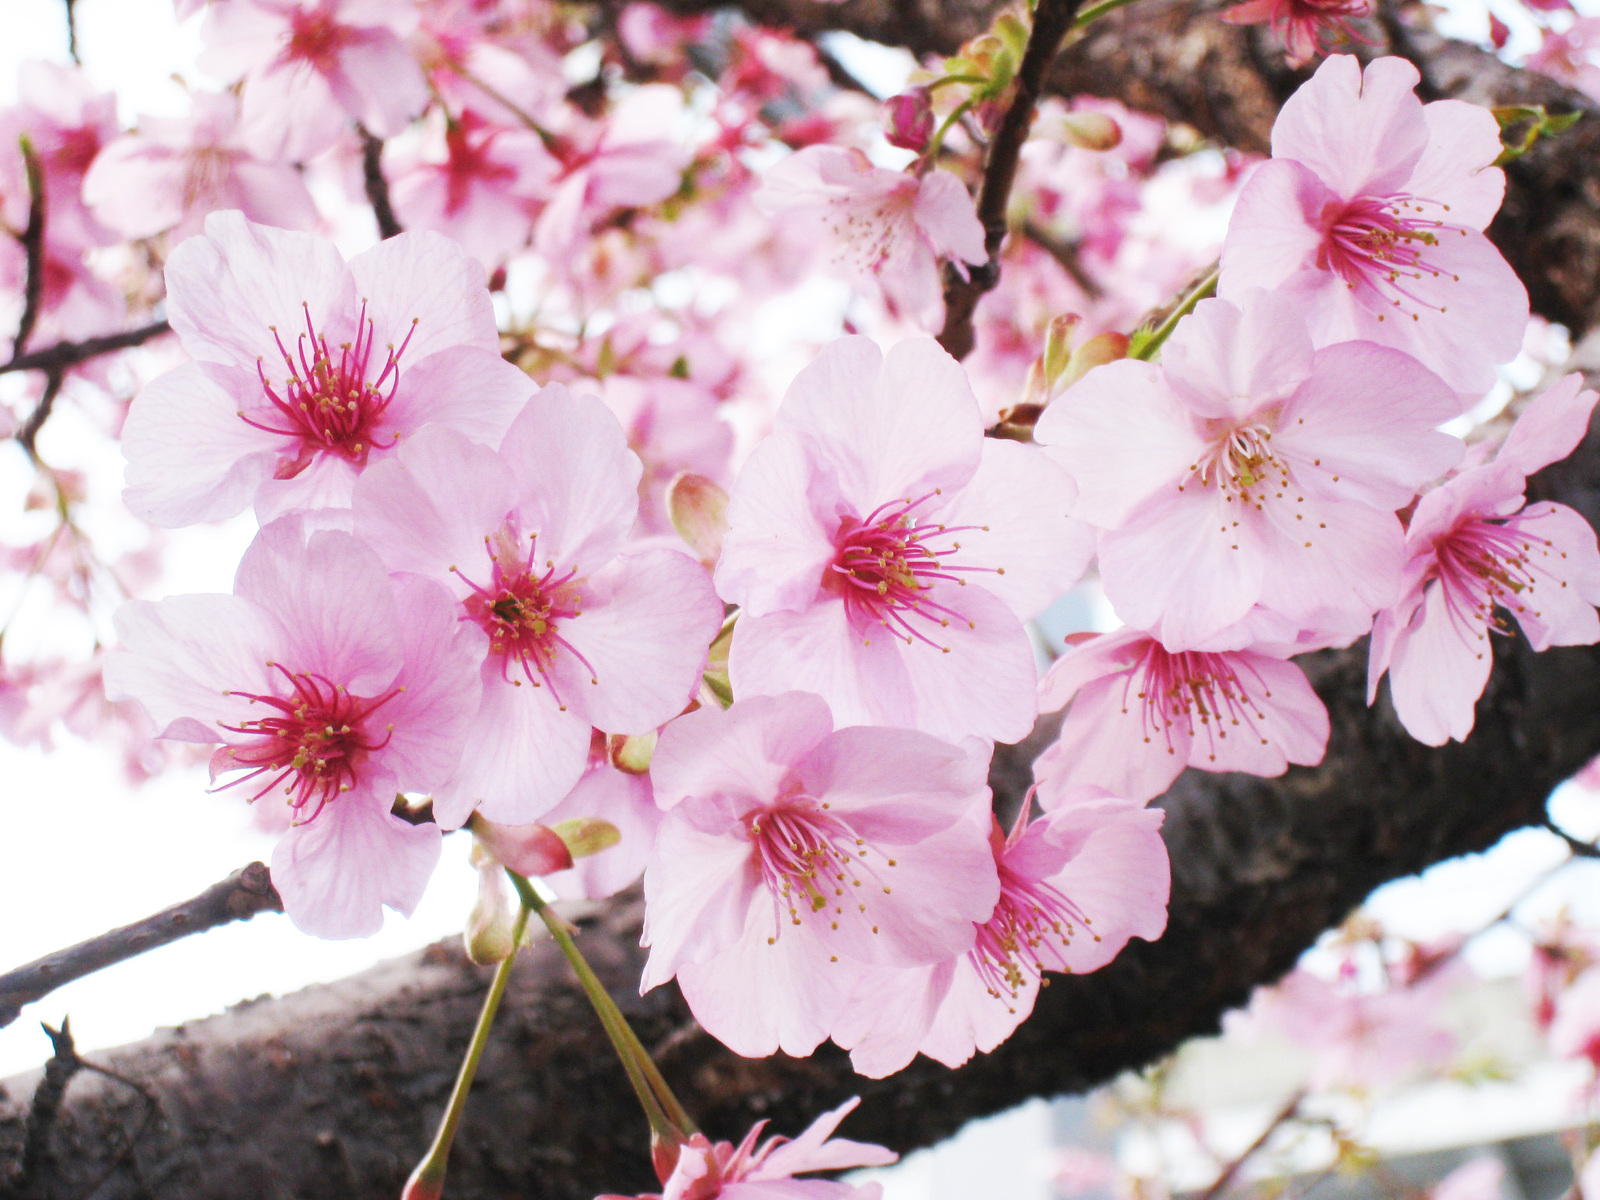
(243, 894)
(69, 354)
(1051, 21)
(376, 185)
(29, 433)
(32, 240)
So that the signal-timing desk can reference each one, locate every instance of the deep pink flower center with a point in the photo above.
(1011, 945)
(314, 743)
(808, 859)
(315, 37)
(1483, 565)
(469, 164)
(886, 566)
(1199, 694)
(329, 402)
(522, 608)
(1380, 246)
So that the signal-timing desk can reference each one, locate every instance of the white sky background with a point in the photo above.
(82, 852)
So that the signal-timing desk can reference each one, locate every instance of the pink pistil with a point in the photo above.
(1192, 690)
(1030, 913)
(1483, 565)
(1378, 245)
(520, 609)
(807, 858)
(317, 744)
(884, 566)
(329, 404)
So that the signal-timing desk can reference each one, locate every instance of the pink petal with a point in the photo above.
(896, 786)
(647, 621)
(699, 888)
(1362, 133)
(971, 1018)
(1550, 427)
(1341, 557)
(432, 716)
(337, 872)
(385, 80)
(226, 288)
(1228, 361)
(1107, 741)
(1436, 674)
(1275, 232)
(1455, 170)
(778, 543)
(425, 285)
(476, 393)
(1121, 435)
(890, 1014)
(628, 803)
(945, 213)
(1120, 878)
(746, 751)
(1559, 610)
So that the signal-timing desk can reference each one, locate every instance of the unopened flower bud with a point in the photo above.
(1062, 364)
(908, 119)
(530, 850)
(1091, 130)
(489, 928)
(631, 753)
(584, 836)
(699, 512)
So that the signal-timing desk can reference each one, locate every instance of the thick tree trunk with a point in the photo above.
(333, 1092)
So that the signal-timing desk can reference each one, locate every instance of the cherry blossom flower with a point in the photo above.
(709, 1170)
(1569, 55)
(884, 227)
(310, 67)
(1247, 470)
(331, 690)
(793, 854)
(1141, 714)
(530, 541)
(175, 170)
(1575, 1029)
(1307, 27)
(309, 368)
(476, 182)
(1372, 207)
(1075, 885)
(885, 553)
(1473, 549)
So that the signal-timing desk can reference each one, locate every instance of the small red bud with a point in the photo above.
(908, 119)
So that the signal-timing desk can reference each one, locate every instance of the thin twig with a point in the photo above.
(1066, 254)
(46, 1103)
(69, 354)
(32, 240)
(72, 31)
(29, 433)
(130, 1140)
(1578, 846)
(1287, 1113)
(1051, 21)
(377, 186)
(243, 894)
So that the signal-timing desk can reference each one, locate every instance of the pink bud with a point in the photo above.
(699, 512)
(908, 119)
(1499, 32)
(1091, 130)
(527, 849)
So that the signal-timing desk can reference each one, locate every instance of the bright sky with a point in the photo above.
(83, 852)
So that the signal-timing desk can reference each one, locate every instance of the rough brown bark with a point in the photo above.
(333, 1091)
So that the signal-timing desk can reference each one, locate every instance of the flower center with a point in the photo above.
(522, 608)
(1031, 921)
(314, 745)
(868, 233)
(327, 401)
(1242, 466)
(1199, 693)
(315, 38)
(808, 859)
(1379, 246)
(1484, 565)
(885, 566)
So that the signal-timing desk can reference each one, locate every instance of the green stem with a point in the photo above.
(668, 1119)
(936, 142)
(1095, 11)
(1145, 346)
(427, 1181)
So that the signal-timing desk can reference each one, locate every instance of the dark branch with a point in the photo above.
(46, 1104)
(32, 240)
(1066, 255)
(72, 30)
(1578, 846)
(1051, 20)
(377, 186)
(29, 433)
(243, 894)
(69, 354)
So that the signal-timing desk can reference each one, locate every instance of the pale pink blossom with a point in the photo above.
(331, 689)
(175, 170)
(626, 801)
(309, 369)
(310, 67)
(879, 226)
(884, 553)
(1247, 470)
(1372, 208)
(1570, 55)
(1575, 1030)
(582, 633)
(1075, 885)
(477, 182)
(1308, 27)
(708, 1170)
(793, 855)
(1474, 550)
(1140, 714)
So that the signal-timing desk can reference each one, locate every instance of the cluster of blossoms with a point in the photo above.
(466, 606)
